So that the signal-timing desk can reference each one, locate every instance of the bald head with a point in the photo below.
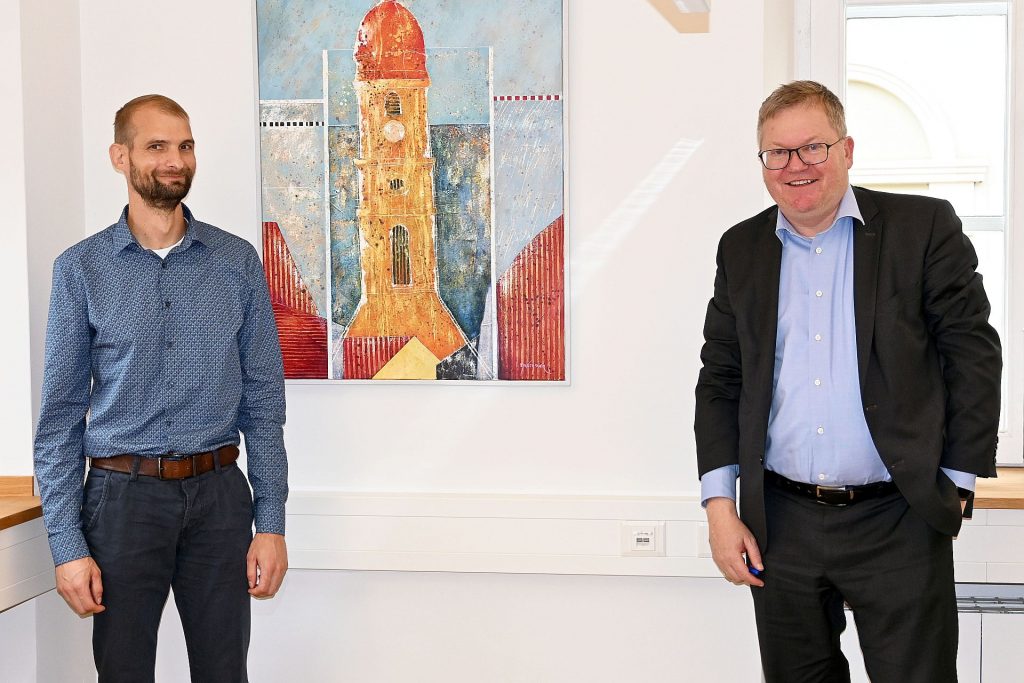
(124, 130)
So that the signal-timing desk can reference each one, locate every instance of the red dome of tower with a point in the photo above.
(390, 44)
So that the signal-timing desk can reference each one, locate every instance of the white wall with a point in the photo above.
(15, 412)
(633, 95)
(661, 161)
(661, 142)
(397, 627)
(436, 627)
(53, 162)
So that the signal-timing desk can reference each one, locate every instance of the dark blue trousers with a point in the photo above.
(149, 536)
(878, 556)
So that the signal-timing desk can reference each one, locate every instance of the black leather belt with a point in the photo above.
(837, 496)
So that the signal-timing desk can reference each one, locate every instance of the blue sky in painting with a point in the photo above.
(525, 35)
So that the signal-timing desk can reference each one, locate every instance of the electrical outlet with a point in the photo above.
(643, 539)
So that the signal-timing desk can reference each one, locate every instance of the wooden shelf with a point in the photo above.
(17, 504)
(17, 509)
(1005, 492)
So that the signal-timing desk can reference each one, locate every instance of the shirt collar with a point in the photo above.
(194, 231)
(847, 209)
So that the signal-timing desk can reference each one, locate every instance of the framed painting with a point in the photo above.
(412, 169)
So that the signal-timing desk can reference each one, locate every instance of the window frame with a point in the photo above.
(819, 53)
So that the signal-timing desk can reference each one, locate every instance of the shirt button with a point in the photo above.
(170, 344)
(818, 250)
(817, 337)
(163, 264)
(167, 304)
(168, 423)
(821, 477)
(821, 430)
(817, 382)
(818, 293)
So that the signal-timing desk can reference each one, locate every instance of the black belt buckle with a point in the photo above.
(838, 496)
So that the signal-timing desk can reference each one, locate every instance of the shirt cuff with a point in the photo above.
(69, 545)
(719, 483)
(963, 480)
(269, 517)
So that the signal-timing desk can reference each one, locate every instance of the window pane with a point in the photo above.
(926, 107)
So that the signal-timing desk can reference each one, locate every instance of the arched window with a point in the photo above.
(401, 269)
(397, 185)
(393, 104)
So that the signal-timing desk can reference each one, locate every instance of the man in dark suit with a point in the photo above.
(851, 382)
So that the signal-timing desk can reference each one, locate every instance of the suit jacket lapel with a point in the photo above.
(867, 242)
(766, 266)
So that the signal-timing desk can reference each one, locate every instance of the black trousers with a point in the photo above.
(880, 557)
(149, 536)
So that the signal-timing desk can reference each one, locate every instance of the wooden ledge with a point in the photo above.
(15, 510)
(17, 504)
(16, 486)
(1005, 492)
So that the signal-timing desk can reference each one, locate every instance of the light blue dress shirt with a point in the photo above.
(816, 428)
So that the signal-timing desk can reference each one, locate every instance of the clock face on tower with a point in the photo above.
(393, 131)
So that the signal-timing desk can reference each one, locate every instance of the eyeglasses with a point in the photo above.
(812, 154)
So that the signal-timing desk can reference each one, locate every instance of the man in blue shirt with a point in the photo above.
(851, 381)
(160, 349)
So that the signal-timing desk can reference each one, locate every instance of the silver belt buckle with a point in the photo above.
(821, 491)
(174, 457)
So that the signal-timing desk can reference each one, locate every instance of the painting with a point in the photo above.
(412, 168)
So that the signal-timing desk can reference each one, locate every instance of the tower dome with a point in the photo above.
(390, 44)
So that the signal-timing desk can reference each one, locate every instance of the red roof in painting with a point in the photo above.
(390, 44)
(300, 329)
(531, 310)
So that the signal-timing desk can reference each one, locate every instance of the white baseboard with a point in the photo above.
(504, 532)
(556, 534)
(492, 532)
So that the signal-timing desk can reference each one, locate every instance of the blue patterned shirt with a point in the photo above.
(151, 356)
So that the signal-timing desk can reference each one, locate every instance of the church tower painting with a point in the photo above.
(401, 326)
(413, 188)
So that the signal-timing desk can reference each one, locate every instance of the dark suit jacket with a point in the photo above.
(929, 362)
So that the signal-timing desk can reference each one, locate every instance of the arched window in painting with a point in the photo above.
(401, 267)
(393, 104)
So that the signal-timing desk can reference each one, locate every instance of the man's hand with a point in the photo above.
(730, 539)
(79, 583)
(266, 564)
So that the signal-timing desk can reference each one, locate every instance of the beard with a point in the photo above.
(158, 194)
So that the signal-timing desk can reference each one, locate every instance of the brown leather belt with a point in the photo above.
(170, 466)
(839, 496)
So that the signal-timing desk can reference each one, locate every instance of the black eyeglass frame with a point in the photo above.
(789, 157)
